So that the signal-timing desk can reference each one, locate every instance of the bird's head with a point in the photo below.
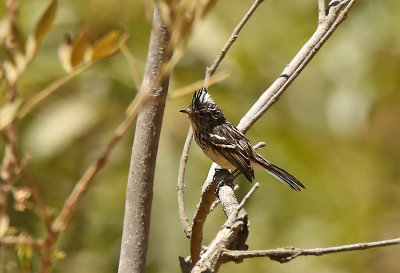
(203, 110)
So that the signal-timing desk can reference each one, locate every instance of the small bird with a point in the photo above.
(223, 143)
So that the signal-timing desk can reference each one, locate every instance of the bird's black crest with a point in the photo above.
(202, 99)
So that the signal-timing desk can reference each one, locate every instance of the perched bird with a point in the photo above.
(221, 141)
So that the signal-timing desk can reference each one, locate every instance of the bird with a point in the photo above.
(224, 144)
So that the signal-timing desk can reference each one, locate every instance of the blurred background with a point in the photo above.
(336, 128)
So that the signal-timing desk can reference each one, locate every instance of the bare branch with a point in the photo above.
(211, 69)
(131, 61)
(197, 85)
(203, 208)
(181, 185)
(259, 145)
(287, 254)
(233, 234)
(139, 192)
(248, 195)
(216, 202)
(207, 195)
(325, 28)
(43, 94)
(321, 10)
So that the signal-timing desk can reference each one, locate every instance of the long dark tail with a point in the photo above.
(280, 174)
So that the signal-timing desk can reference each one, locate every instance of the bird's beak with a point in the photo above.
(187, 111)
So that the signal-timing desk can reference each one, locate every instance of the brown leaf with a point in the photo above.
(106, 47)
(45, 22)
(82, 43)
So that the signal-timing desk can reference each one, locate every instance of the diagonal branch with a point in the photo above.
(327, 24)
(287, 254)
(211, 69)
(207, 195)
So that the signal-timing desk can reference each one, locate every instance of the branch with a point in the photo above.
(50, 89)
(181, 185)
(207, 194)
(248, 195)
(139, 190)
(287, 254)
(233, 234)
(211, 69)
(327, 24)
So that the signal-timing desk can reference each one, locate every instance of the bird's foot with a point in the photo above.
(223, 177)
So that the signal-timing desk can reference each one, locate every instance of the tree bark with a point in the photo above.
(139, 192)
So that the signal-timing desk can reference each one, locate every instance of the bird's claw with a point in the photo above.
(223, 177)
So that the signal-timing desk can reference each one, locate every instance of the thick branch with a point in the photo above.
(139, 191)
(287, 254)
(233, 234)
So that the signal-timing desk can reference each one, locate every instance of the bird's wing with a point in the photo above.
(234, 146)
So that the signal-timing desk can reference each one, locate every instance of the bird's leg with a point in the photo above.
(222, 177)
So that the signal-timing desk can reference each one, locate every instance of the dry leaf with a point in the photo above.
(45, 22)
(42, 28)
(106, 47)
(82, 44)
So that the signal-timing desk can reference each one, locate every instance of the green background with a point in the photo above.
(336, 128)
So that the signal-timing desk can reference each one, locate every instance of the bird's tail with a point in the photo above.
(280, 174)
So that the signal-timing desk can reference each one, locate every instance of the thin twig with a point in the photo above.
(259, 145)
(248, 195)
(211, 70)
(321, 10)
(197, 85)
(39, 97)
(287, 254)
(181, 185)
(325, 28)
(131, 62)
